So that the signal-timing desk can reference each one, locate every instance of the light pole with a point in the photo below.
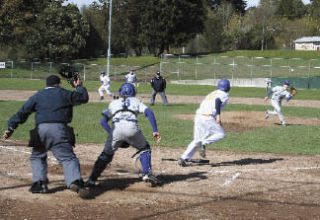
(109, 38)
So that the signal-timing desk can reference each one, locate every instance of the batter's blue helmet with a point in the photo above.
(287, 82)
(127, 89)
(224, 85)
(102, 72)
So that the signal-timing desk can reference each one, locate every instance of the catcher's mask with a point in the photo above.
(224, 85)
(127, 89)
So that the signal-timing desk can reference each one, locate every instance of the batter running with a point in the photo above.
(207, 122)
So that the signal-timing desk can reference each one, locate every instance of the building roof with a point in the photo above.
(308, 39)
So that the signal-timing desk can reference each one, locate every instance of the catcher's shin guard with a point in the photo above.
(102, 162)
(145, 160)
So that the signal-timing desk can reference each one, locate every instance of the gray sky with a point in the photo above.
(250, 3)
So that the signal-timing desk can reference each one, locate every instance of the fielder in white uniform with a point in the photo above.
(105, 80)
(131, 78)
(207, 122)
(124, 132)
(278, 93)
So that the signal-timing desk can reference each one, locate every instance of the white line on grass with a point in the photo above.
(25, 152)
(230, 180)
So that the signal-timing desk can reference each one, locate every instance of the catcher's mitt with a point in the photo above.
(293, 91)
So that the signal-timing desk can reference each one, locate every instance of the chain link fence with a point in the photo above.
(242, 71)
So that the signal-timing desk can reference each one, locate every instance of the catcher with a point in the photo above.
(124, 132)
(278, 93)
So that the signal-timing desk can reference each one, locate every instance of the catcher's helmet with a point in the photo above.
(287, 82)
(102, 72)
(127, 89)
(224, 85)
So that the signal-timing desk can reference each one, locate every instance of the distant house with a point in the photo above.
(308, 43)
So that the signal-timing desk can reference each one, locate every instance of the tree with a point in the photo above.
(63, 32)
(291, 9)
(238, 5)
(159, 25)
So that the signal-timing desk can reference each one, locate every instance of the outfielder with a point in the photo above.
(105, 80)
(278, 93)
(207, 122)
(124, 132)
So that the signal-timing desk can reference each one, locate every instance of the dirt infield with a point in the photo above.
(232, 186)
(22, 95)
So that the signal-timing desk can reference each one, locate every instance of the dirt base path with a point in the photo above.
(22, 95)
(231, 186)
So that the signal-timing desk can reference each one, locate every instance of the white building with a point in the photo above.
(307, 43)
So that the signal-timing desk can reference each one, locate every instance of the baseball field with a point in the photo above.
(261, 170)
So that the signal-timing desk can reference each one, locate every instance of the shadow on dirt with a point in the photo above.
(242, 162)
(246, 161)
(122, 183)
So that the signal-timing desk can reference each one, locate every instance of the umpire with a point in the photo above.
(158, 84)
(53, 108)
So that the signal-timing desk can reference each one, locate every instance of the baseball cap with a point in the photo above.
(158, 72)
(287, 82)
(53, 80)
(131, 69)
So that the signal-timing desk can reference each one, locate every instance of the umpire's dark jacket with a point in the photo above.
(158, 84)
(52, 105)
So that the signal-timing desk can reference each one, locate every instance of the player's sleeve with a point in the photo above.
(269, 93)
(149, 114)
(218, 104)
(22, 115)
(288, 96)
(106, 116)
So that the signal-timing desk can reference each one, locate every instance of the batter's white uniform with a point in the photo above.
(278, 94)
(206, 129)
(125, 124)
(131, 78)
(105, 80)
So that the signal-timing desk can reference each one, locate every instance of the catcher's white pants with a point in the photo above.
(206, 131)
(105, 88)
(277, 110)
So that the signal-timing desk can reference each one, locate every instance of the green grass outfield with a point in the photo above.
(294, 139)
(201, 90)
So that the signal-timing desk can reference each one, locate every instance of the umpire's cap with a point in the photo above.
(224, 85)
(53, 80)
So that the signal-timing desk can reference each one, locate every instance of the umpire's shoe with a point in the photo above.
(39, 187)
(78, 187)
(152, 179)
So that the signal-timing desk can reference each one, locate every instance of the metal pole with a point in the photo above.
(109, 39)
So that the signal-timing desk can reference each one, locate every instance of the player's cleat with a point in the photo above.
(39, 187)
(182, 162)
(152, 179)
(78, 187)
(101, 97)
(89, 183)
(283, 123)
(115, 97)
(266, 115)
(202, 151)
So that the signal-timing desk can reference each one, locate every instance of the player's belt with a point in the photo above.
(207, 115)
(118, 120)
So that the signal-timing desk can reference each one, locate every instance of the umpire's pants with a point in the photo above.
(57, 139)
(163, 96)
